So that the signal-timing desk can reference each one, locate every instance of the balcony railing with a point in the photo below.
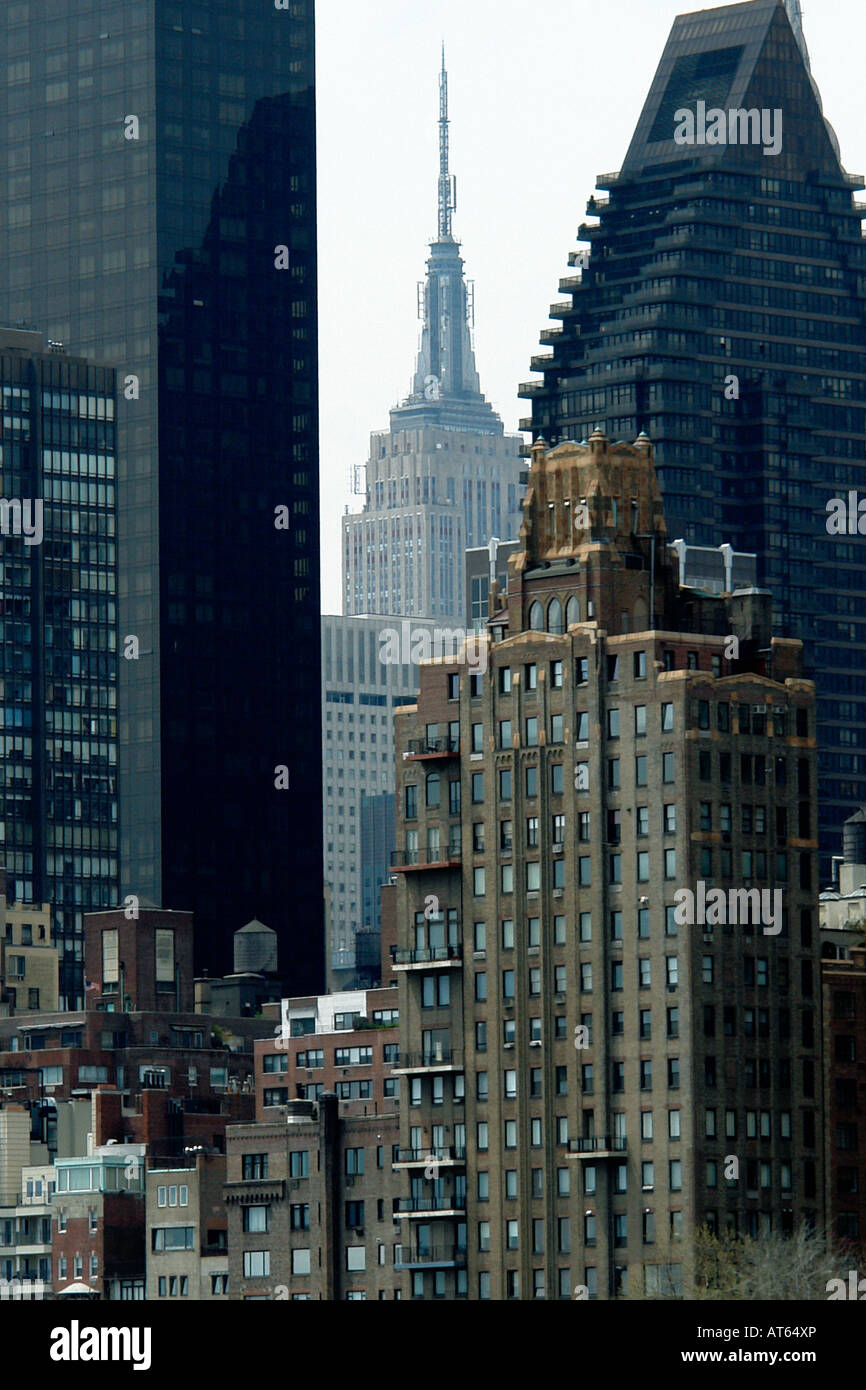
(429, 1204)
(433, 747)
(406, 1258)
(599, 1143)
(434, 1057)
(443, 1153)
(425, 858)
(429, 956)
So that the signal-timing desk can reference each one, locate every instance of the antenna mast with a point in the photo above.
(447, 182)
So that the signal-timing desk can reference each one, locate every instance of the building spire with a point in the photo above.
(447, 181)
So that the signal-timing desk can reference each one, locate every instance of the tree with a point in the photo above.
(791, 1268)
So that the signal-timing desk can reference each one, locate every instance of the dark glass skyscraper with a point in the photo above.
(58, 636)
(162, 217)
(722, 309)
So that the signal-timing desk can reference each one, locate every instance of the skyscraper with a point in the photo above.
(720, 308)
(608, 946)
(445, 476)
(162, 217)
(58, 638)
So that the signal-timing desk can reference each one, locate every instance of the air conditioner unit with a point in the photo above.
(536, 1042)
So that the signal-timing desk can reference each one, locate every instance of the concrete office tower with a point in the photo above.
(635, 755)
(721, 309)
(445, 476)
(360, 691)
(59, 649)
(162, 217)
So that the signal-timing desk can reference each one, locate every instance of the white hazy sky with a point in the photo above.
(544, 95)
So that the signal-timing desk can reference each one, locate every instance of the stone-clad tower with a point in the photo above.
(445, 476)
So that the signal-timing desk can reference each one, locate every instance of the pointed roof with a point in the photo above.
(746, 56)
(446, 389)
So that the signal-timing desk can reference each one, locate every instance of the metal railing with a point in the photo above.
(434, 1057)
(424, 956)
(422, 859)
(598, 1144)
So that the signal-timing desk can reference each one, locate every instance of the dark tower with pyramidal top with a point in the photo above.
(720, 306)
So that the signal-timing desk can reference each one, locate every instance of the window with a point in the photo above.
(299, 1216)
(299, 1163)
(640, 770)
(640, 721)
(478, 786)
(172, 1238)
(255, 1167)
(256, 1219)
(668, 767)
(300, 1260)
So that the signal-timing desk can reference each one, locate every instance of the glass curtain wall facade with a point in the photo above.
(58, 638)
(162, 218)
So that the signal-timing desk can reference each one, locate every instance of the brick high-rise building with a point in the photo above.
(586, 1061)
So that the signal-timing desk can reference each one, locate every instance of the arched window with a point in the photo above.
(554, 617)
(572, 611)
(536, 617)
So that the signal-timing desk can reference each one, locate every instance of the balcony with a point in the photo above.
(439, 1059)
(600, 1146)
(447, 956)
(407, 860)
(444, 1156)
(433, 748)
(443, 1257)
(449, 1205)
(255, 1190)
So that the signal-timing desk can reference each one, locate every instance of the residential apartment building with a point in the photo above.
(186, 1241)
(28, 957)
(311, 1200)
(588, 1057)
(345, 1043)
